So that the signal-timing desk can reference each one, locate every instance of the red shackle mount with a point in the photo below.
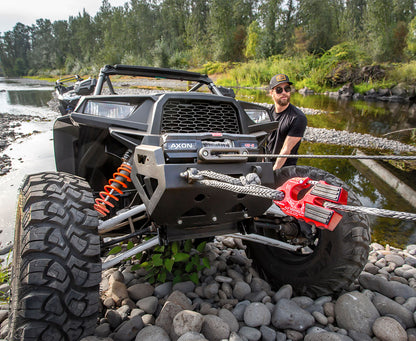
(304, 200)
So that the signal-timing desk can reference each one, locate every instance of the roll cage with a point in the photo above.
(153, 72)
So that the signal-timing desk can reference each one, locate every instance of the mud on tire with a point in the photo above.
(337, 259)
(56, 267)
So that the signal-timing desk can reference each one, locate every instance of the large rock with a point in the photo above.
(387, 329)
(390, 289)
(355, 311)
(386, 306)
(288, 315)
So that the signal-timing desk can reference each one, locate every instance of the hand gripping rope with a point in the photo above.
(302, 198)
(115, 186)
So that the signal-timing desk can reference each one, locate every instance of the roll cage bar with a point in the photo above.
(152, 72)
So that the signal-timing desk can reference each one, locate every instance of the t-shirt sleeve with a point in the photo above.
(298, 127)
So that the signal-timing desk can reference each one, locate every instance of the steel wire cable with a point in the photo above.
(229, 183)
(370, 157)
(373, 211)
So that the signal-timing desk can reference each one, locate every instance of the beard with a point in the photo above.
(283, 101)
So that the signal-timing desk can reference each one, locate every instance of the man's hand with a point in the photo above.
(290, 142)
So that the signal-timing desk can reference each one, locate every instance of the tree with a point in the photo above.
(14, 50)
(320, 22)
(352, 22)
(252, 42)
(196, 30)
(411, 39)
(42, 54)
(379, 29)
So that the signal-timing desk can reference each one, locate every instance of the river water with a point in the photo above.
(35, 153)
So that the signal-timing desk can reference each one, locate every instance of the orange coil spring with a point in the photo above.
(114, 185)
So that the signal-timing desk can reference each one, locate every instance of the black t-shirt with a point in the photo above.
(292, 122)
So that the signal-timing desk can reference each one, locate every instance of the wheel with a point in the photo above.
(56, 268)
(336, 258)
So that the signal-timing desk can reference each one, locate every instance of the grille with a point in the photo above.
(187, 116)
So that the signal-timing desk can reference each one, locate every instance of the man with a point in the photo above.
(286, 138)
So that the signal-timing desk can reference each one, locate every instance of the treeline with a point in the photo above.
(189, 33)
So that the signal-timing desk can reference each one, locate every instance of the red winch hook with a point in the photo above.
(115, 185)
(304, 199)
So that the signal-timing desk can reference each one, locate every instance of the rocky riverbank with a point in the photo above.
(233, 303)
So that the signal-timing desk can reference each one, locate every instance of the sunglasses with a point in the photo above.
(279, 90)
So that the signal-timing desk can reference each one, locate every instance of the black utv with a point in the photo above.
(172, 166)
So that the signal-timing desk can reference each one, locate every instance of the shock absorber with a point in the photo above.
(115, 186)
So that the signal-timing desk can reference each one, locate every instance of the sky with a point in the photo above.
(27, 11)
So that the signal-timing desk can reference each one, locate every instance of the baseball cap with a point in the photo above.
(279, 79)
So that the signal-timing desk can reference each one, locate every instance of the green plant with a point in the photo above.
(179, 261)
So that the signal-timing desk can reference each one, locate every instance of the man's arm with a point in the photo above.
(288, 145)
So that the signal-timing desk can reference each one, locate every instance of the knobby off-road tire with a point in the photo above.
(56, 267)
(336, 261)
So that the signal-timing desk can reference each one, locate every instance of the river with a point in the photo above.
(35, 153)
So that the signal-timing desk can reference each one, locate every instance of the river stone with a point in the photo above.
(355, 311)
(229, 318)
(259, 284)
(288, 315)
(187, 321)
(387, 288)
(190, 336)
(140, 290)
(251, 334)
(396, 259)
(152, 333)
(179, 298)
(285, 291)
(103, 330)
(211, 290)
(114, 318)
(184, 287)
(294, 335)
(387, 328)
(128, 329)
(326, 336)
(214, 328)
(256, 315)
(118, 292)
(241, 289)
(163, 289)
(148, 304)
(267, 334)
(387, 306)
(239, 309)
(167, 314)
